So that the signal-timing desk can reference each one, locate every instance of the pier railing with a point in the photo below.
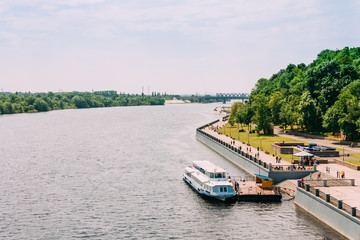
(353, 211)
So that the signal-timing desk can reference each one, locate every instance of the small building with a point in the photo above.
(266, 182)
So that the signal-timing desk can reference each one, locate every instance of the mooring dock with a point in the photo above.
(260, 190)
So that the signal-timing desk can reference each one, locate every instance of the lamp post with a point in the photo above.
(343, 154)
(260, 143)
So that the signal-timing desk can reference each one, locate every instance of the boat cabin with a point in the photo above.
(211, 170)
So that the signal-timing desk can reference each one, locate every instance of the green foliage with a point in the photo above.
(275, 105)
(345, 113)
(42, 102)
(321, 97)
(244, 114)
(308, 117)
(261, 113)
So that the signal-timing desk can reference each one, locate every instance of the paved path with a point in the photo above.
(349, 194)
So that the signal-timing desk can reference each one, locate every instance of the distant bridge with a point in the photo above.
(243, 96)
(228, 96)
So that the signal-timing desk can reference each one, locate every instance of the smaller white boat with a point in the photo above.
(210, 180)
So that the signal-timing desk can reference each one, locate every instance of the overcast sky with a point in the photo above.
(172, 46)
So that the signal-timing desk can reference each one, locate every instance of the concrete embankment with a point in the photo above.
(341, 221)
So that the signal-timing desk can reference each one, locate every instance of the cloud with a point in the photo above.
(171, 39)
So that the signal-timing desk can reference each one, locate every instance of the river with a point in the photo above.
(116, 173)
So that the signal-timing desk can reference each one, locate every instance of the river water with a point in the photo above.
(116, 173)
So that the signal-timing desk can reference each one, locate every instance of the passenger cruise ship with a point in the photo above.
(209, 180)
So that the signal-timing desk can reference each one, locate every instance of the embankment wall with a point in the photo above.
(339, 220)
(248, 165)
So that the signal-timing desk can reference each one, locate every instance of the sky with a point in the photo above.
(166, 46)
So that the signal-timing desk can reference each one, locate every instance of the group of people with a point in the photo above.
(278, 159)
(340, 174)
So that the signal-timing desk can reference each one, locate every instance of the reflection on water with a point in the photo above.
(116, 173)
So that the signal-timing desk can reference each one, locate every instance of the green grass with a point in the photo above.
(258, 140)
(357, 161)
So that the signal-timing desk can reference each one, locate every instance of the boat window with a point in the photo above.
(221, 189)
(215, 189)
(211, 175)
(225, 189)
(218, 175)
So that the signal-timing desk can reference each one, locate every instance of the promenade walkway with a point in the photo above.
(250, 150)
(349, 194)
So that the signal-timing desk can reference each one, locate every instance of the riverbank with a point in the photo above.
(345, 190)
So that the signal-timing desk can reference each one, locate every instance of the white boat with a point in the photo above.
(210, 180)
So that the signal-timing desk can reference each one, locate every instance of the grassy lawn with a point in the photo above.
(258, 140)
(356, 162)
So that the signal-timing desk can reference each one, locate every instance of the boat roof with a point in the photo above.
(209, 166)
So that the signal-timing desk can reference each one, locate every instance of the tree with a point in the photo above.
(261, 113)
(348, 109)
(232, 120)
(245, 114)
(234, 108)
(275, 105)
(289, 114)
(331, 120)
(307, 112)
(40, 105)
(80, 102)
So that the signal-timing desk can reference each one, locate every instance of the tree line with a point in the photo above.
(42, 102)
(321, 97)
